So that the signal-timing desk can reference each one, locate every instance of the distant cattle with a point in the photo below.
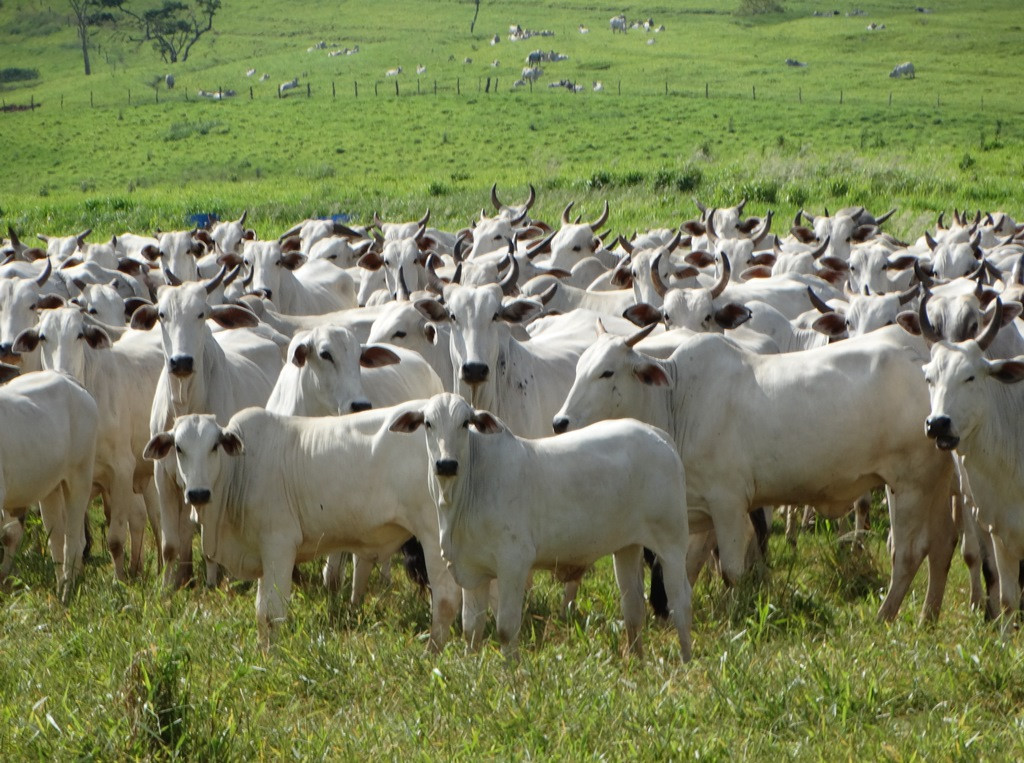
(903, 70)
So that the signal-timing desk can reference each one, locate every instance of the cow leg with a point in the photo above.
(75, 499)
(862, 514)
(474, 614)
(569, 591)
(175, 527)
(680, 596)
(629, 575)
(698, 552)
(970, 548)
(792, 524)
(117, 503)
(658, 598)
(444, 592)
(942, 539)
(12, 529)
(735, 534)
(152, 502)
(136, 532)
(334, 571)
(273, 591)
(361, 569)
(1008, 565)
(511, 592)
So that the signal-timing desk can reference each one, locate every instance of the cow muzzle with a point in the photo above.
(940, 429)
(560, 425)
(181, 365)
(446, 467)
(361, 405)
(474, 373)
(7, 353)
(199, 497)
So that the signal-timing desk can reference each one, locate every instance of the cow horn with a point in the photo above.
(402, 293)
(214, 282)
(739, 207)
(927, 330)
(626, 245)
(171, 279)
(8, 259)
(457, 251)
(508, 283)
(816, 253)
(978, 272)
(247, 281)
(534, 250)
(631, 341)
(494, 197)
(546, 295)
(45, 275)
(290, 232)
(909, 294)
(926, 280)
(13, 236)
(518, 219)
(601, 218)
(986, 336)
(434, 282)
(245, 214)
(659, 285)
(777, 247)
(886, 216)
(808, 216)
(233, 274)
(826, 212)
(723, 280)
(701, 207)
(1020, 270)
(766, 226)
(939, 223)
(565, 213)
(932, 243)
(531, 198)
(44, 238)
(422, 222)
(709, 226)
(672, 245)
(457, 275)
(819, 304)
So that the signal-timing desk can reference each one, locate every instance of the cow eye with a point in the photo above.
(426, 425)
(177, 449)
(92, 311)
(969, 378)
(398, 335)
(80, 336)
(606, 375)
(451, 317)
(214, 448)
(161, 315)
(576, 248)
(326, 355)
(278, 263)
(201, 316)
(497, 317)
(42, 337)
(465, 424)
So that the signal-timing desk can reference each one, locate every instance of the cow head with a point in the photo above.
(200, 446)
(265, 264)
(21, 299)
(62, 336)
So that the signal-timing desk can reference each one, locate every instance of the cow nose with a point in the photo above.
(181, 365)
(198, 497)
(361, 405)
(560, 424)
(268, 293)
(938, 426)
(7, 350)
(474, 373)
(446, 467)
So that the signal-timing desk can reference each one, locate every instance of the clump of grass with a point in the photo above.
(186, 129)
(156, 696)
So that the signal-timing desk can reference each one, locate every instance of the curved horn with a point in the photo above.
(534, 250)
(826, 212)
(45, 275)
(457, 253)
(986, 336)
(723, 280)
(422, 222)
(926, 280)
(709, 226)
(518, 219)
(886, 216)
(214, 282)
(247, 281)
(631, 341)
(172, 279)
(508, 283)
(233, 274)
(402, 293)
(739, 207)
(939, 223)
(927, 330)
(245, 214)
(457, 275)
(932, 243)
(15, 241)
(659, 285)
(494, 197)
(701, 207)
(819, 304)
(290, 232)
(434, 282)
(816, 253)
(376, 222)
(565, 213)
(601, 218)
(8, 259)
(909, 294)
(626, 245)
(531, 198)
(766, 226)
(808, 216)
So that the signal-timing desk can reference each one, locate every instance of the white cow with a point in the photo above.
(507, 505)
(284, 87)
(618, 24)
(818, 427)
(228, 235)
(274, 490)
(905, 69)
(199, 375)
(122, 378)
(296, 285)
(47, 449)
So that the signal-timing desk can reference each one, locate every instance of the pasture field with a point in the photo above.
(791, 665)
(794, 666)
(777, 134)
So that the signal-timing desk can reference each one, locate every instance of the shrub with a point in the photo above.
(759, 7)
(15, 74)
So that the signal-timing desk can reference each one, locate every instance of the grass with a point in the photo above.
(838, 132)
(793, 665)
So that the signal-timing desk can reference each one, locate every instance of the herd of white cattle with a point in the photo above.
(345, 388)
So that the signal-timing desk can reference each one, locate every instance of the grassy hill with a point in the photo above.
(709, 108)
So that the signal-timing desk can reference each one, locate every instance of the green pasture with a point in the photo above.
(709, 109)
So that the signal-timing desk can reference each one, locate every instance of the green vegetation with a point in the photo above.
(14, 74)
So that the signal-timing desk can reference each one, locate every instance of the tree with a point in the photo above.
(88, 14)
(173, 28)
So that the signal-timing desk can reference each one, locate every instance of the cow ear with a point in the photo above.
(1010, 311)
(377, 357)
(49, 302)
(835, 263)
(761, 271)
(732, 315)
(407, 423)
(8, 372)
(159, 446)
(370, 261)
(700, 259)
(299, 354)
(520, 311)
(231, 443)
(1007, 371)
(144, 318)
(863, 232)
(651, 374)
(910, 322)
(26, 341)
(151, 253)
(97, 338)
(231, 317)
(901, 263)
(131, 267)
(693, 227)
(831, 325)
(230, 260)
(622, 278)
(291, 244)
(430, 332)
(642, 314)
(431, 309)
(803, 235)
(134, 303)
(485, 423)
(293, 260)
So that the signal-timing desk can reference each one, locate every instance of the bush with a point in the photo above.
(14, 74)
(758, 7)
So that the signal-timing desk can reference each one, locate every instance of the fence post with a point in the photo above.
(90, 98)
(890, 99)
(250, 92)
(487, 89)
(753, 92)
(495, 84)
(356, 84)
(435, 87)
(129, 97)
(62, 101)
(308, 90)
(334, 93)
(705, 89)
(458, 86)
(937, 102)
(840, 96)
(417, 86)
(396, 85)
(620, 87)
(156, 92)
(375, 88)
(800, 94)
(666, 87)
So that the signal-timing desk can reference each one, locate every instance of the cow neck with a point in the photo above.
(995, 442)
